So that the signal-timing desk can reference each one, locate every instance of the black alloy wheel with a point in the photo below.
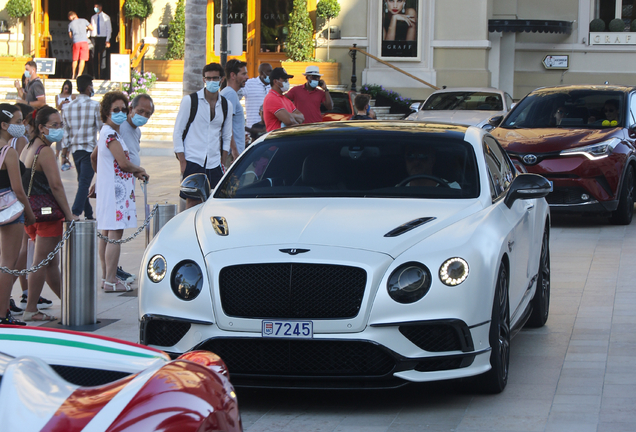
(625, 210)
(495, 380)
(541, 300)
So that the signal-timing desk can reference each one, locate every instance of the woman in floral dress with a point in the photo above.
(114, 187)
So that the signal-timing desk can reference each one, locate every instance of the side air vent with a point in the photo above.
(408, 226)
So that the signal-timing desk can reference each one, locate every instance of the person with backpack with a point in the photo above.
(203, 130)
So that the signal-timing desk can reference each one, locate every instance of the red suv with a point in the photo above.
(581, 138)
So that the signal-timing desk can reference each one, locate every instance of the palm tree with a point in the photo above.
(195, 48)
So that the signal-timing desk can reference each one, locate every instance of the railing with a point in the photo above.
(138, 55)
(352, 53)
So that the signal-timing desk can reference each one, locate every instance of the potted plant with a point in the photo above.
(19, 9)
(170, 66)
(136, 11)
(328, 9)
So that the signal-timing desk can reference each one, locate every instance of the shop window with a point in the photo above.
(607, 10)
(237, 14)
(274, 21)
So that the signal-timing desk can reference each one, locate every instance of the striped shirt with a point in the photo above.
(254, 93)
(82, 121)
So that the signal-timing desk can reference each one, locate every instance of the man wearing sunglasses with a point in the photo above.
(311, 95)
(82, 122)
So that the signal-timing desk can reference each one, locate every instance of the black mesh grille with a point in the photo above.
(88, 377)
(301, 358)
(292, 290)
(440, 364)
(566, 196)
(433, 338)
(165, 333)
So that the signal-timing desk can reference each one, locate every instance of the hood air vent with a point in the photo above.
(408, 226)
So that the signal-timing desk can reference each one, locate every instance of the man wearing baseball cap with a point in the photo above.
(278, 111)
(310, 96)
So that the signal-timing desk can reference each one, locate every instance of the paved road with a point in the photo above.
(578, 373)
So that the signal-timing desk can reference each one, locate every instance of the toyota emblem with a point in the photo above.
(530, 159)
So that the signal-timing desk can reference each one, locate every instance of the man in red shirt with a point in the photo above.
(308, 97)
(278, 111)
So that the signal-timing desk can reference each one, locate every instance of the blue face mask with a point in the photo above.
(266, 80)
(96, 10)
(139, 120)
(213, 86)
(118, 118)
(313, 83)
(55, 135)
(27, 74)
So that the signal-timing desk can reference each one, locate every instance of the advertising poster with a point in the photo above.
(400, 22)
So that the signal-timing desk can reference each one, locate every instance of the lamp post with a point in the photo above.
(224, 6)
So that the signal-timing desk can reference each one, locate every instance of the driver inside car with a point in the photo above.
(420, 161)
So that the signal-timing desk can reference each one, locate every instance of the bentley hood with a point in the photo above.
(359, 223)
(547, 140)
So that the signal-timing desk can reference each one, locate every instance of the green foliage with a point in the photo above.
(632, 26)
(328, 9)
(597, 25)
(176, 34)
(300, 41)
(616, 25)
(141, 83)
(141, 9)
(387, 97)
(19, 8)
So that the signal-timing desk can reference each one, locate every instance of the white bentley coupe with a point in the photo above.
(355, 255)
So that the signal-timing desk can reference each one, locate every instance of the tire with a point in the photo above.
(495, 380)
(625, 210)
(541, 301)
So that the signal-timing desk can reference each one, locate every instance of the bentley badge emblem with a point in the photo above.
(293, 251)
(530, 159)
(220, 225)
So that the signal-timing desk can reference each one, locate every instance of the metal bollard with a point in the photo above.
(165, 212)
(79, 275)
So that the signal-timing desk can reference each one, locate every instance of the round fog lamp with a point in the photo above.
(585, 197)
(409, 283)
(157, 268)
(186, 280)
(454, 271)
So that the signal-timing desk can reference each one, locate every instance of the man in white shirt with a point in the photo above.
(236, 75)
(255, 91)
(201, 144)
(100, 35)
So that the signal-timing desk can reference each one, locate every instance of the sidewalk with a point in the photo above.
(117, 309)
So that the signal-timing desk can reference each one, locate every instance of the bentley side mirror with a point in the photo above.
(527, 186)
(196, 186)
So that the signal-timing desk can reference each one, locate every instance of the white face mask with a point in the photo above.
(285, 86)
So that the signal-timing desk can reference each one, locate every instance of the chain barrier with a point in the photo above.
(136, 233)
(46, 260)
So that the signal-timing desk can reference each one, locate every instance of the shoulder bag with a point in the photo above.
(10, 207)
(45, 207)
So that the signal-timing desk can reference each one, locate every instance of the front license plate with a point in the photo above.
(288, 329)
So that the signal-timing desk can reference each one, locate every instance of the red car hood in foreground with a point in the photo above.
(547, 140)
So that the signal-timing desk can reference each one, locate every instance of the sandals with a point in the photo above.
(118, 286)
(32, 316)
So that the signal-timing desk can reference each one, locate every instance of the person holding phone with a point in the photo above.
(65, 96)
(311, 95)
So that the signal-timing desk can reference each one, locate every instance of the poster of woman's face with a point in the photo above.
(400, 29)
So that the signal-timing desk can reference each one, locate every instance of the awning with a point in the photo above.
(534, 26)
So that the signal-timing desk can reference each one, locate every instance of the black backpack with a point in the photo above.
(194, 106)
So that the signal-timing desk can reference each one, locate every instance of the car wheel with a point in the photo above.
(625, 211)
(541, 300)
(495, 380)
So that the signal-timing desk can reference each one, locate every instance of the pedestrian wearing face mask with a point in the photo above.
(278, 111)
(254, 93)
(82, 121)
(310, 96)
(33, 92)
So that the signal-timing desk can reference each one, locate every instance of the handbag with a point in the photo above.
(10, 207)
(45, 207)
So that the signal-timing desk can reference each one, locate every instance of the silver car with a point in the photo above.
(468, 106)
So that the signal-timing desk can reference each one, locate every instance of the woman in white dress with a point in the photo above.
(114, 187)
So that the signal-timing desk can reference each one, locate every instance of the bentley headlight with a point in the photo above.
(454, 271)
(409, 282)
(186, 280)
(157, 268)
(594, 151)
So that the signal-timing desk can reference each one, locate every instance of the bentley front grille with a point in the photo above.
(284, 290)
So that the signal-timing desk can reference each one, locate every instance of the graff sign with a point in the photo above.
(618, 38)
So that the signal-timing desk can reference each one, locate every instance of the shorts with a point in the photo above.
(80, 51)
(45, 229)
(214, 174)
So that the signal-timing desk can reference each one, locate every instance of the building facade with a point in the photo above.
(514, 45)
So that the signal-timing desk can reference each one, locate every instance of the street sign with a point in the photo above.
(46, 66)
(556, 62)
(234, 39)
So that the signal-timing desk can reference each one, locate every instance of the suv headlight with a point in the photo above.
(594, 151)
(409, 282)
